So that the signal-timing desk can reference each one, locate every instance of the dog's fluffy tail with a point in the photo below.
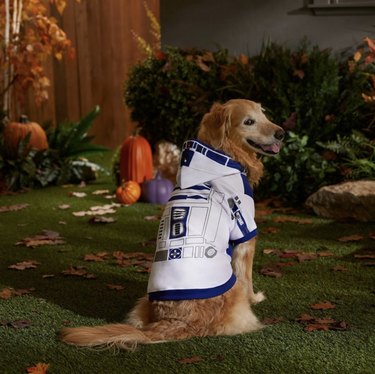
(123, 336)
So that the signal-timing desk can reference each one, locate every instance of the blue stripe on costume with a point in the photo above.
(193, 293)
(212, 153)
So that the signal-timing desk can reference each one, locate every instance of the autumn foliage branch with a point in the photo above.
(29, 35)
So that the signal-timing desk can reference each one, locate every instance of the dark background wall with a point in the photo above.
(242, 25)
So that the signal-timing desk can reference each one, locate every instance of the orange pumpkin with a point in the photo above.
(136, 159)
(15, 132)
(128, 193)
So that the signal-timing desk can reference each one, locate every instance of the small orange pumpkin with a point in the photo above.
(128, 193)
(136, 159)
(15, 132)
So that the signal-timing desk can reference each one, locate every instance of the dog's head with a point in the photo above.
(241, 123)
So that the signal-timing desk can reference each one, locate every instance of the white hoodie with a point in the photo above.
(210, 211)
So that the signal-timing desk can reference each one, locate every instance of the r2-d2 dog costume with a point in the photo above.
(210, 211)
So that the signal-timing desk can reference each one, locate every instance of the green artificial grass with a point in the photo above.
(283, 347)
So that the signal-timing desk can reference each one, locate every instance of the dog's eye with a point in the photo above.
(249, 122)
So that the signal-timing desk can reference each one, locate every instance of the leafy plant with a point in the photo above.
(356, 154)
(61, 163)
(297, 171)
(169, 92)
(28, 36)
(314, 94)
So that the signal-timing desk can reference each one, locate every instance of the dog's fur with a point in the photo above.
(240, 129)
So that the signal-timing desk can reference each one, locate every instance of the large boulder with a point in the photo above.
(354, 200)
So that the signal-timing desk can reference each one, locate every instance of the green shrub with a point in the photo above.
(315, 94)
(61, 163)
(168, 94)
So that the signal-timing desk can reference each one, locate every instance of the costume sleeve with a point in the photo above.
(242, 213)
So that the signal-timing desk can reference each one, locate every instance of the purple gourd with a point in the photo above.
(157, 190)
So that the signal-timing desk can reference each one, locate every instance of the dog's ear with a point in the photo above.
(214, 124)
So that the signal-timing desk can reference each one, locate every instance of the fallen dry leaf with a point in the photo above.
(289, 219)
(28, 264)
(271, 271)
(350, 238)
(152, 218)
(190, 360)
(272, 251)
(17, 324)
(6, 293)
(12, 208)
(100, 192)
(316, 327)
(39, 368)
(135, 259)
(115, 287)
(98, 210)
(325, 254)
(323, 306)
(321, 324)
(270, 230)
(301, 257)
(95, 220)
(78, 194)
(64, 206)
(96, 257)
(339, 268)
(46, 237)
(78, 271)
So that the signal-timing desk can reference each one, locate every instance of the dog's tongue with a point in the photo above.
(274, 148)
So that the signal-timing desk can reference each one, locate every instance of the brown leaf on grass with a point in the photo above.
(316, 327)
(78, 194)
(46, 237)
(323, 306)
(12, 208)
(305, 318)
(190, 360)
(78, 271)
(17, 324)
(100, 192)
(64, 206)
(28, 264)
(95, 220)
(271, 271)
(137, 259)
(99, 210)
(6, 293)
(324, 254)
(47, 276)
(39, 368)
(302, 257)
(96, 257)
(115, 287)
(339, 268)
(350, 238)
(152, 218)
(21, 291)
(289, 219)
(321, 324)
(270, 230)
(272, 251)
(365, 256)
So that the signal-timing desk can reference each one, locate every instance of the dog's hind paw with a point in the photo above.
(257, 297)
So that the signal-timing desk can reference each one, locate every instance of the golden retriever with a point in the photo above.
(238, 129)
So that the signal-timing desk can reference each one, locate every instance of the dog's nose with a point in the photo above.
(279, 134)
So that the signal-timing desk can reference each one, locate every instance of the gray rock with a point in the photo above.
(355, 200)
